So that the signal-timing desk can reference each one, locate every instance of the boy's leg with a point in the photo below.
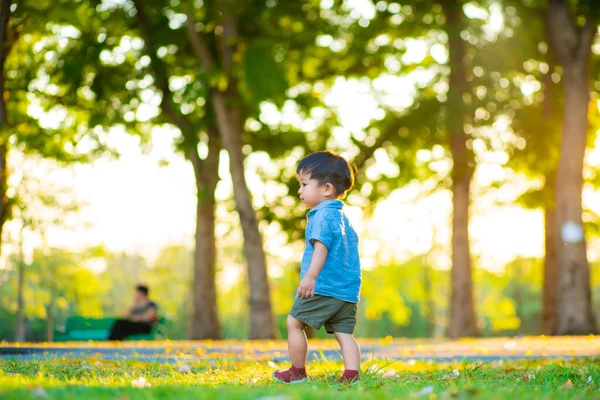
(342, 326)
(350, 351)
(297, 342)
(298, 348)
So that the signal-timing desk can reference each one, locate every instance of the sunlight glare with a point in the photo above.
(473, 11)
(416, 50)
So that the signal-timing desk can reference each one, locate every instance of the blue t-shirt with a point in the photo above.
(341, 275)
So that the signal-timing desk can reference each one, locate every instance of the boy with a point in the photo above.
(330, 273)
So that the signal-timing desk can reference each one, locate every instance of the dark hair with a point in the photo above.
(143, 289)
(329, 167)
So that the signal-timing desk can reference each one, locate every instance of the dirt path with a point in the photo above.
(391, 349)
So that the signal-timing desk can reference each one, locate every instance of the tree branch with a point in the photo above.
(587, 34)
(198, 44)
(228, 37)
(162, 82)
(4, 18)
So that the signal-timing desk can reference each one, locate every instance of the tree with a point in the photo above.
(31, 46)
(5, 47)
(205, 319)
(462, 309)
(436, 117)
(230, 124)
(222, 81)
(237, 48)
(39, 204)
(572, 44)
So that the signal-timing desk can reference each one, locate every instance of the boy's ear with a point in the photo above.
(329, 189)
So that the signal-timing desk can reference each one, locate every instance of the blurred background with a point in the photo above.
(155, 141)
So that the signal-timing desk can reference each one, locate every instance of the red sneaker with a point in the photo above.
(292, 375)
(349, 377)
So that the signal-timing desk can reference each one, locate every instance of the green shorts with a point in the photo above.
(337, 315)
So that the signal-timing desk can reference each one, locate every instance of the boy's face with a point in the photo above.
(311, 193)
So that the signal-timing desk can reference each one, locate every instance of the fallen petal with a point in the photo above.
(390, 373)
(141, 383)
(184, 369)
(426, 391)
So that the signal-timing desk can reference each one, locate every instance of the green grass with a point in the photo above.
(225, 379)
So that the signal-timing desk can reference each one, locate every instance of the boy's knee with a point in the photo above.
(293, 323)
(343, 337)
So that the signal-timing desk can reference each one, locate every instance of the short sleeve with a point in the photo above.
(321, 230)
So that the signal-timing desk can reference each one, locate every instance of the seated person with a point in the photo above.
(140, 318)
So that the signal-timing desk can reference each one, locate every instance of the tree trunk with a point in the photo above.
(205, 318)
(462, 310)
(550, 289)
(225, 105)
(573, 47)
(430, 306)
(20, 334)
(4, 50)
(550, 295)
(50, 320)
(261, 315)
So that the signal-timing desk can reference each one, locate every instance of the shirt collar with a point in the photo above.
(335, 204)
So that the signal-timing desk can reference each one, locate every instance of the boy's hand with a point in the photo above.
(307, 288)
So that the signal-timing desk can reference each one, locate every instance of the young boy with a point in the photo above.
(330, 273)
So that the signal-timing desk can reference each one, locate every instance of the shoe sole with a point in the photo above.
(292, 382)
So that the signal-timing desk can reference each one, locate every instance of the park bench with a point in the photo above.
(79, 329)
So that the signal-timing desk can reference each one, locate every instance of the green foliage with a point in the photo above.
(264, 77)
(55, 282)
(402, 300)
(49, 106)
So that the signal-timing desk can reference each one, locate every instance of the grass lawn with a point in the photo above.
(229, 379)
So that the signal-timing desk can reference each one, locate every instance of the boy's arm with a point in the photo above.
(307, 285)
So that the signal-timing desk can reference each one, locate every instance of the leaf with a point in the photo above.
(264, 77)
(567, 386)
